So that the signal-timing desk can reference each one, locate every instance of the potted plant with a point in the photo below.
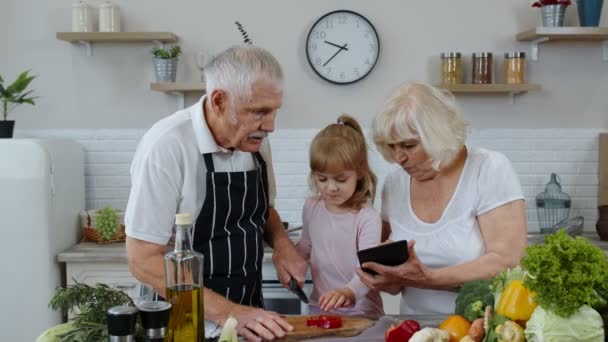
(552, 11)
(12, 96)
(165, 62)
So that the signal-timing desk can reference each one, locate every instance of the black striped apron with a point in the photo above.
(229, 231)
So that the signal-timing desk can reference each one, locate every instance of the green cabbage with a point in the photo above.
(52, 334)
(585, 325)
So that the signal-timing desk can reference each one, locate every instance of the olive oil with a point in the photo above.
(186, 321)
(184, 283)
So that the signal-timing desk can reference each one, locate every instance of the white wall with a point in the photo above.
(110, 89)
(571, 153)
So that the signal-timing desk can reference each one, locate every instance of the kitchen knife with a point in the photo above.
(293, 286)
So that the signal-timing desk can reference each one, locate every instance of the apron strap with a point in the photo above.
(258, 157)
(209, 162)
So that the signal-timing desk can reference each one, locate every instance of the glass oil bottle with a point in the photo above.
(184, 282)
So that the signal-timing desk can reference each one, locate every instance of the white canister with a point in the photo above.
(109, 17)
(82, 17)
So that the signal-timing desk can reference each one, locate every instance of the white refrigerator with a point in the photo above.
(41, 194)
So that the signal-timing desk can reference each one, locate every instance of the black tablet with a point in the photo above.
(389, 254)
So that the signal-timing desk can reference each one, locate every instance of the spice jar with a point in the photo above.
(109, 17)
(82, 17)
(482, 68)
(451, 68)
(515, 67)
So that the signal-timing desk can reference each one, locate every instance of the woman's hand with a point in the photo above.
(412, 273)
(337, 298)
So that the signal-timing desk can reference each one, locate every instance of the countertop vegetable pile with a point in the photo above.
(560, 295)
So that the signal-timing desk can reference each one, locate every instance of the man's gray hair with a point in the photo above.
(237, 68)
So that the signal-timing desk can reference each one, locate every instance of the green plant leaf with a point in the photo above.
(14, 93)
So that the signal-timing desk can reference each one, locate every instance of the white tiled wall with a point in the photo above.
(571, 153)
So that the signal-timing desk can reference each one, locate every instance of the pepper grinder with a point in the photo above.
(154, 319)
(121, 323)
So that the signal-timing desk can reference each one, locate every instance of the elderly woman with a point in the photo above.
(460, 207)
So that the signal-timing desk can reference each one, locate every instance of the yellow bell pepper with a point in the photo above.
(516, 302)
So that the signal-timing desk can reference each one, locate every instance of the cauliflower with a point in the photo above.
(510, 331)
(430, 335)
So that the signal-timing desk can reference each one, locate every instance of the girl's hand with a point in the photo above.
(412, 273)
(337, 299)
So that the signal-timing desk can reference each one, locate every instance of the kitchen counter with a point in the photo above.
(111, 252)
(534, 238)
(115, 252)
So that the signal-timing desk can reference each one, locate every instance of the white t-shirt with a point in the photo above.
(488, 181)
(168, 173)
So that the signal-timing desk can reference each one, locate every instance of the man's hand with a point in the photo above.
(337, 298)
(257, 324)
(288, 263)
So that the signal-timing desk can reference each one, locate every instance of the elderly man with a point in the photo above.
(212, 160)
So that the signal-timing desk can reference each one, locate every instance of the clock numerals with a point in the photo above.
(372, 47)
(342, 19)
(356, 71)
(342, 75)
(367, 61)
(320, 34)
(313, 46)
(358, 23)
(329, 24)
(318, 61)
(328, 71)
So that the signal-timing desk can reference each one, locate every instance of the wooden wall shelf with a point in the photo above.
(117, 37)
(564, 33)
(88, 38)
(541, 34)
(491, 88)
(179, 89)
(172, 87)
(505, 89)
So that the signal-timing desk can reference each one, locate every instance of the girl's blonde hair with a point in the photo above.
(422, 112)
(341, 146)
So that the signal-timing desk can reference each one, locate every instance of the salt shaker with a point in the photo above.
(82, 20)
(109, 17)
(121, 323)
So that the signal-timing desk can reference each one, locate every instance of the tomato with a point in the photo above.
(325, 322)
(403, 332)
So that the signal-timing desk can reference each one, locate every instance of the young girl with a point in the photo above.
(339, 221)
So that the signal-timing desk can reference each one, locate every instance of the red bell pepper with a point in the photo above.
(403, 332)
(325, 322)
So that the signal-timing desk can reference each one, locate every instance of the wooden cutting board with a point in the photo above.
(351, 326)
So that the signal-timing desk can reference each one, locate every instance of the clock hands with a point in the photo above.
(337, 52)
(336, 45)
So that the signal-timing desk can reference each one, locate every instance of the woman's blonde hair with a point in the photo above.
(423, 112)
(341, 146)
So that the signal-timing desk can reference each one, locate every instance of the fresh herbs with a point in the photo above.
(167, 53)
(566, 273)
(106, 222)
(93, 302)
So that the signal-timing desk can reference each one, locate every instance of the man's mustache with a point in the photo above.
(258, 134)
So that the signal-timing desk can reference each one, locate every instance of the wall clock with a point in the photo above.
(342, 47)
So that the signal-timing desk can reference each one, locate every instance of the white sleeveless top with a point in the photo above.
(488, 181)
